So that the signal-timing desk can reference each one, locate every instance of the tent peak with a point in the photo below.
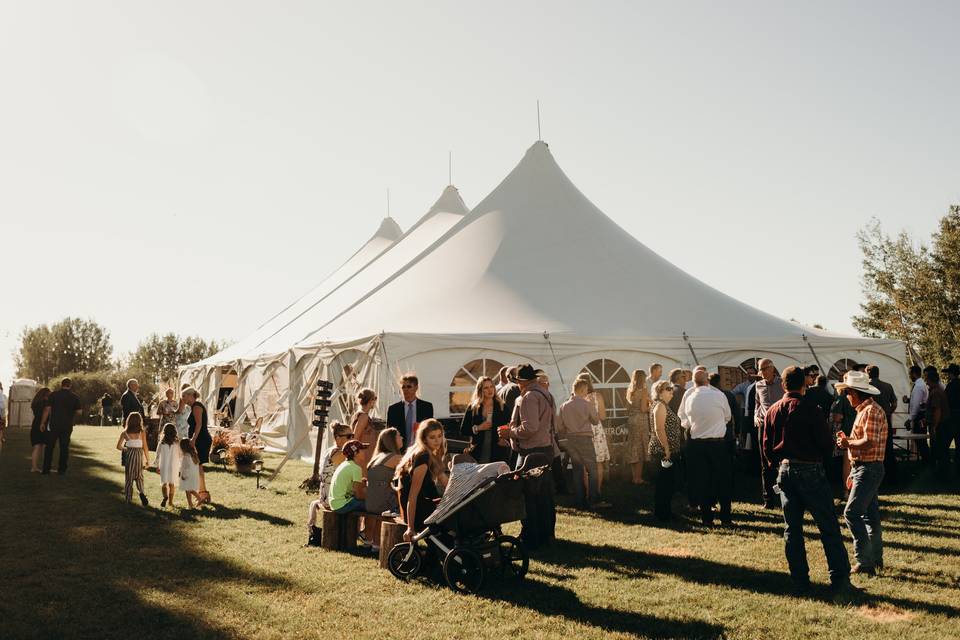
(389, 229)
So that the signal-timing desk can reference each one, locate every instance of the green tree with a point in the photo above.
(160, 356)
(73, 344)
(912, 290)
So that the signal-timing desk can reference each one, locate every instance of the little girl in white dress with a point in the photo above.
(190, 471)
(168, 460)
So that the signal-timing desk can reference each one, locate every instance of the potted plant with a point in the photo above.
(243, 457)
(219, 447)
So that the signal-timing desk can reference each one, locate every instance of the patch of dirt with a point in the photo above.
(885, 614)
(673, 552)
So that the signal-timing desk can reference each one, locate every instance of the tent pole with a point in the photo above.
(810, 346)
(686, 339)
(556, 363)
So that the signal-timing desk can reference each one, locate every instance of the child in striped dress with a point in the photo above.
(135, 457)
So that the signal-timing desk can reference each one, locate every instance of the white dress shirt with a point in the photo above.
(918, 398)
(705, 413)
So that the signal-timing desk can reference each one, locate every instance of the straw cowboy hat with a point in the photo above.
(858, 381)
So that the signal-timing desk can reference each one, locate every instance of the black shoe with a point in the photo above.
(801, 588)
(143, 500)
(862, 570)
(314, 539)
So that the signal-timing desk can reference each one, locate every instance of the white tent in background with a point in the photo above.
(263, 372)
(537, 273)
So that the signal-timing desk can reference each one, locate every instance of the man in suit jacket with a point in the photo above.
(406, 414)
(129, 402)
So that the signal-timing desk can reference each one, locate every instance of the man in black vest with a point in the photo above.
(409, 412)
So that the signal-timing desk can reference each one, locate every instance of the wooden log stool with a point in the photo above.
(339, 531)
(391, 534)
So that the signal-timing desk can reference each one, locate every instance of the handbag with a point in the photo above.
(123, 457)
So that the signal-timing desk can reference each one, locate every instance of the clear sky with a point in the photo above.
(242, 150)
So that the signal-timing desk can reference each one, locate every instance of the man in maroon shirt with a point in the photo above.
(795, 440)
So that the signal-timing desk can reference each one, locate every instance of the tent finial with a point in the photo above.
(539, 135)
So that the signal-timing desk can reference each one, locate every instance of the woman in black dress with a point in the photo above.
(423, 476)
(37, 437)
(200, 436)
(485, 414)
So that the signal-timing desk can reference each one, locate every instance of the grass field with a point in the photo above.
(76, 562)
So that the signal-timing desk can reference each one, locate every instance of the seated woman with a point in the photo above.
(331, 459)
(484, 415)
(422, 475)
(381, 498)
(380, 471)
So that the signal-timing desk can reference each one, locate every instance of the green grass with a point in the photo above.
(76, 562)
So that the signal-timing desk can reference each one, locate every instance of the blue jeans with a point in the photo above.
(804, 487)
(584, 459)
(353, 505)
(863, 513)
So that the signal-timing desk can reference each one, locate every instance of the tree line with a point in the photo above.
(912, 288)
(81, 349)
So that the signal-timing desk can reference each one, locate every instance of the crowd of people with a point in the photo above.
(810, 443)
(182, 450)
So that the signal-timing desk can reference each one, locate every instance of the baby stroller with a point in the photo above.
(464, 533)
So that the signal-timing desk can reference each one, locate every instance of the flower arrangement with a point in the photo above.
(243, 457)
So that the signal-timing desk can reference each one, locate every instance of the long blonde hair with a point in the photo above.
(638, 385)
(435, 464)
(477, 398)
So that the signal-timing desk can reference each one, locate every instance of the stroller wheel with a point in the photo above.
(400, 566)
(463, 570)
(514, 560)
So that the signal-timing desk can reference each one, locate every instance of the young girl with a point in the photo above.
(135, 458)
(190, 471)
(422, 474)
(168, 463)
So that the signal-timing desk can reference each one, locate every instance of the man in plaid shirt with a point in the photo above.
(866, 448)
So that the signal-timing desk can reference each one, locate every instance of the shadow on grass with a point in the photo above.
(221, 512)
(557, 601)
(81, 561)
(639, 564)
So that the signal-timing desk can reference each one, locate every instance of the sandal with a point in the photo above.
(204, 497)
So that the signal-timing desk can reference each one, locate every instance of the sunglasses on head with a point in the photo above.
(345, 435)
(406, 386)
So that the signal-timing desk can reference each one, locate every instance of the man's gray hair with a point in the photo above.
(131, 381)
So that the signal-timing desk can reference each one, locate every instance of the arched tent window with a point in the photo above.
(840, 367)
(465, 380)
(611, 381)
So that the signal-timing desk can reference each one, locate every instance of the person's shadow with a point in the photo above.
(77, 561)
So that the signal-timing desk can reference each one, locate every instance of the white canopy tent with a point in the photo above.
(537, 273)
(264, 372)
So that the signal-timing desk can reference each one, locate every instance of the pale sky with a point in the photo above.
(195, 166)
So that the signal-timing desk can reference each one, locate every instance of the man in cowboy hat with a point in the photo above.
(866, 447)
(952, 389)
(888, 402)
(531, 432)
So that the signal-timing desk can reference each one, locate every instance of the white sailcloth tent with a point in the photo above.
(537, 273)
(259, 359)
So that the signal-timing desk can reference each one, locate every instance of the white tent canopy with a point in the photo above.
(534, 273)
